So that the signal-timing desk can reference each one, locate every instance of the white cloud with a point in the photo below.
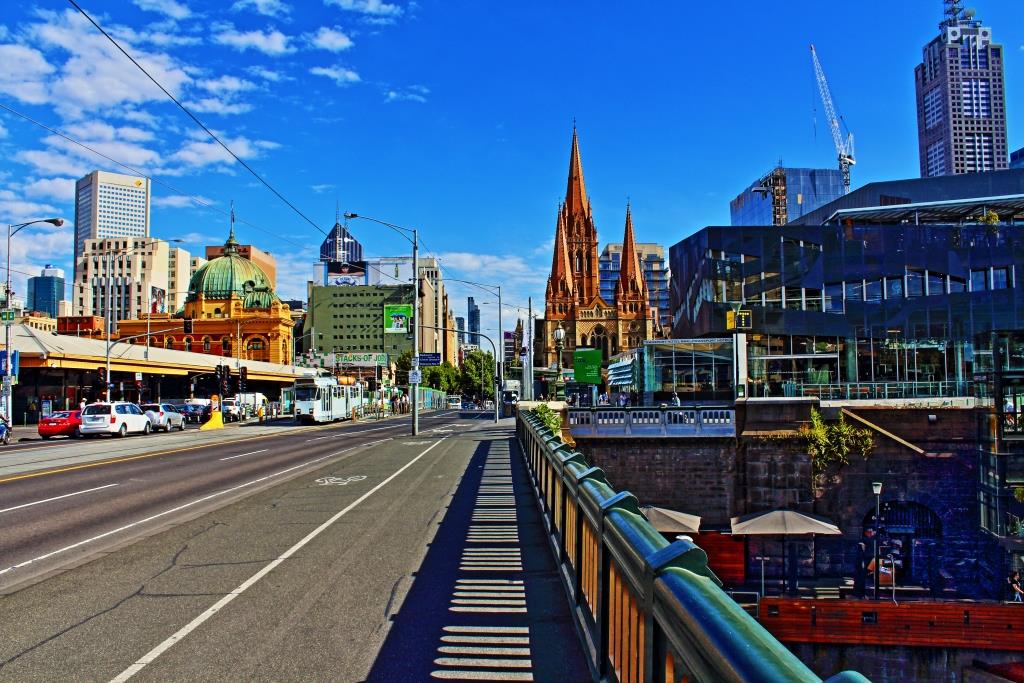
(14, 209)
(320, 189)
(213, 105)
(3, 131)
(226, 84)
(24, 73)
(164, 39)
(178, 201)
(371, 7)
(271, 42)
(100, 131)
(268, 8)
(332, 39)
(137, 116)
(96, 75)
(170, 8)
(414, 93)
(50, 162)
(339, 74)
(200, 153)
(268, 74)
(58, 189)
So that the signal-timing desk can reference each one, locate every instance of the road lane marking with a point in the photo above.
(242, 455)
(49, 500)
(158, 515)
(114, 461)
(340, 481)
(151, 656)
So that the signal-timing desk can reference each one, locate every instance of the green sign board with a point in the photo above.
(586, 366)
(397, 318)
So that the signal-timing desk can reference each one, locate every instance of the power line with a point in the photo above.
(195, 198)
(196, 119)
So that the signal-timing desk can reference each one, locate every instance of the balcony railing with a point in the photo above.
(648, 610)
(652, 422)
(861, 390)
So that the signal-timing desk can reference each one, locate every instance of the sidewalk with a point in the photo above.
(486, 603)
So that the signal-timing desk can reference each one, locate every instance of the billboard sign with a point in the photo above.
(344, 274)
(396, 318)
(157, 300)
(586, 366)
(367, 359)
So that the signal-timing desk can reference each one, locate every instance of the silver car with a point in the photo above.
(164, 417)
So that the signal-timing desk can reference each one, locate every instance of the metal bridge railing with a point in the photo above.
(650, 611)
(652, 422)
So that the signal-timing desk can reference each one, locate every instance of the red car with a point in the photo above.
(63, 423)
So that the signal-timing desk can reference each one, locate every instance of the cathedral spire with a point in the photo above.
(576, 192)
(561, 267)
(631, 284)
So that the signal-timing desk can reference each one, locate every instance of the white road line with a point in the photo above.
(503, 663)
(158, 515)
(242, 455)
(523, 630)
(469, 675)
(48, 500)
(151, 656)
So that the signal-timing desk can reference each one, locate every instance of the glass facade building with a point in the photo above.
(784, 195)
(695, 370)
(46, 291)
(652, 259)
(852, 311)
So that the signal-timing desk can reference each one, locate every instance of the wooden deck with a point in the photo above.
(919, 623)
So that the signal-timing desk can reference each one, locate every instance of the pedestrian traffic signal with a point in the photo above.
(242, 376)
(101, 372)
(187, 325)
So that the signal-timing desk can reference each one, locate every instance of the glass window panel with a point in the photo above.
(957, 284)
(915, 283)
(893, 288)
(773, 298)
(855, 291)
(979, 280)
(812, 300)
(794, 298)
(834, 297)
(936, 283)
(873, 290)
(1000, 278)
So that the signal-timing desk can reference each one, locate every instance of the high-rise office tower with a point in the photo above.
(110, 206)
(474, 321)
(460, 325)
(785, 194)
(961, 106)
(46, 291)
(652, 260)
(341, 245)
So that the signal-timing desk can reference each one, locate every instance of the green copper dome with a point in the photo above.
(232, 274)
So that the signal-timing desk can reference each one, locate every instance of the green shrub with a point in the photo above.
(551, 419)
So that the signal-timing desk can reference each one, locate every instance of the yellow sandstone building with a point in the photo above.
(234, 313)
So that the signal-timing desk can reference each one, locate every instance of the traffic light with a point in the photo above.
(242, 373)
(187, 325)
(101, 372)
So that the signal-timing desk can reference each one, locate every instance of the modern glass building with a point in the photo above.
(695, 370)
(46, 290)
(871, 306)
(474, 321)
(1017, 158)
(785, 194)
(341, 245)
(652, 259)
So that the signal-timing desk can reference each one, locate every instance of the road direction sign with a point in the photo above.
(7, 316)
(415, 376)
(430, 359)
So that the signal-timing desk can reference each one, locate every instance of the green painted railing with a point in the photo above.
(649, 611)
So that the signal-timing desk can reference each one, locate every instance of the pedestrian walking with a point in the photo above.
(1013, 582)
(675, 400)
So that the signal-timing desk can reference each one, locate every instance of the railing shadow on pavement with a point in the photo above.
(647, 609)
(425, 621)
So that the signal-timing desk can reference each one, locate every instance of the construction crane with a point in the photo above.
(844, 148)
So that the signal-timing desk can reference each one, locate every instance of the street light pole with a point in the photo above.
(13, 230)
(876, 487)
(413, 387)
(559, 340)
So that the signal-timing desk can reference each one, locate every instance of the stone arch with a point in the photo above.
(188, 343)
(912, 533)
(168, 342)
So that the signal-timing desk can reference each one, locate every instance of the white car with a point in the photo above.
(164, 416)
(116, 418)
(230, 410)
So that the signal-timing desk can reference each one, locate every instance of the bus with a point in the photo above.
(322, 399)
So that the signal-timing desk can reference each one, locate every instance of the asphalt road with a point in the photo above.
(283, 556)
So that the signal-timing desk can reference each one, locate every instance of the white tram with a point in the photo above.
(322, 399)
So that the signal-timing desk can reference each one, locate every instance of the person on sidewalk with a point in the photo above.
(1013, 581)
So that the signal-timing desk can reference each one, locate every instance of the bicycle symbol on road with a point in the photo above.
(339, 481)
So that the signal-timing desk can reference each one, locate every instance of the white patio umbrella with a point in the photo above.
(783, 523)
(671, 521)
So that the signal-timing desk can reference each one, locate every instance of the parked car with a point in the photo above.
(164, 417)
(116, 417)
(61, 423)
(191, 412)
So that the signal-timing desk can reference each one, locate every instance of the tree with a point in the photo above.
(830, 444)
(477, 364)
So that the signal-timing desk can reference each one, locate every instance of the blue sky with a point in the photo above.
(455, 115)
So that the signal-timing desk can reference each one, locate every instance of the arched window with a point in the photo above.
(225, 345)
(206, 344)
(216, 313)
(188, 343)
(168, 342)
(579, 262)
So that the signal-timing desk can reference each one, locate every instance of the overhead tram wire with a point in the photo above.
(196, 119)
(195, 198)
